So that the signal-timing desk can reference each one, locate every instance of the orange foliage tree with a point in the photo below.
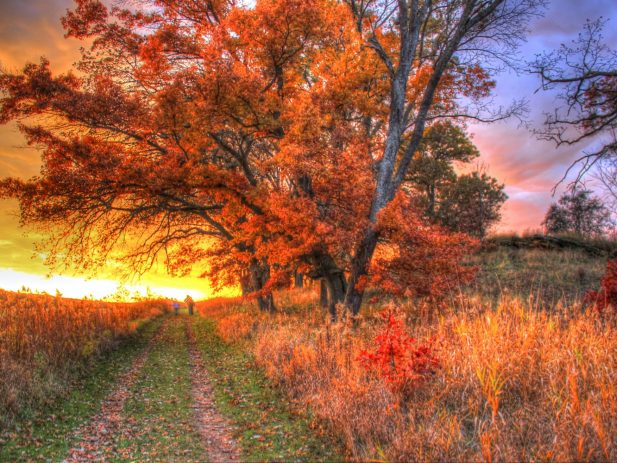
(253, 141)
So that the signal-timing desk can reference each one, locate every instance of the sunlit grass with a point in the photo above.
(47, 434)
(46, 341)
(264, 426)
(519, 380)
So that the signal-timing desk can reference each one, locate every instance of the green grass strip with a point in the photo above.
(46, 435)
(264, 426)
(158, 422)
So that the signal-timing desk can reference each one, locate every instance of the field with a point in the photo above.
(46, 340)
(514, 368)
(86, 380)
(551, 278)
(511, 368)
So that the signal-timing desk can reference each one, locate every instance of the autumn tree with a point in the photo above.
(163, 142)
(415, 258)
(425, 45)
(209, 134)
(577, 211)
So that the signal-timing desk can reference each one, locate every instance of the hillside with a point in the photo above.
(549, 269)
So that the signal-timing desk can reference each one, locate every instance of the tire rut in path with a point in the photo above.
(213, 427)
(99, 432)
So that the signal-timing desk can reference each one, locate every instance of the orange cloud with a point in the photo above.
(523, 212)
(530, 168)
(31, 29)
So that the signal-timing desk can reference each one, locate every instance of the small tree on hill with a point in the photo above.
(472, 204)
(577, 212)
(557, 219)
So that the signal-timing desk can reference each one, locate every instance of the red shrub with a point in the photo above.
(607, 295)
(398, 358)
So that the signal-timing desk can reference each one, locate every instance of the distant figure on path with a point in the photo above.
(176, 306)
(190, 303)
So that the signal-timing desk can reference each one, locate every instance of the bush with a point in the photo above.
(398, 358)
(607, 295)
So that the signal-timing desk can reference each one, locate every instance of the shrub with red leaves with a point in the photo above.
(398, 358)
(607, 295)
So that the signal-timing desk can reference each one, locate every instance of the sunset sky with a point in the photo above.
(530, 168)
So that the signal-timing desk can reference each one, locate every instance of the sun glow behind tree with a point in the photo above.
(75, 287)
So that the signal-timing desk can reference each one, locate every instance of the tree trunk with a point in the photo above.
(337, 286)
(392, 167)
(323, 293)
(431, 202)
(298, 279)
(259, 274)
(266, 303)
(333, 284)
(388, 179)
(359, 268)
(245, 283)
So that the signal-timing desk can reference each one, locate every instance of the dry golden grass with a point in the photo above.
(516, 383)
(44, 339)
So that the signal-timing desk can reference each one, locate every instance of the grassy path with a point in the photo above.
(264, 426)
(174, 393)
(97, 434)
(158, 420)
(214, 429)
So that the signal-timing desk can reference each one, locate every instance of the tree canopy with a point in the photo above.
(472, 204)
(253, 142)
(468, 203)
